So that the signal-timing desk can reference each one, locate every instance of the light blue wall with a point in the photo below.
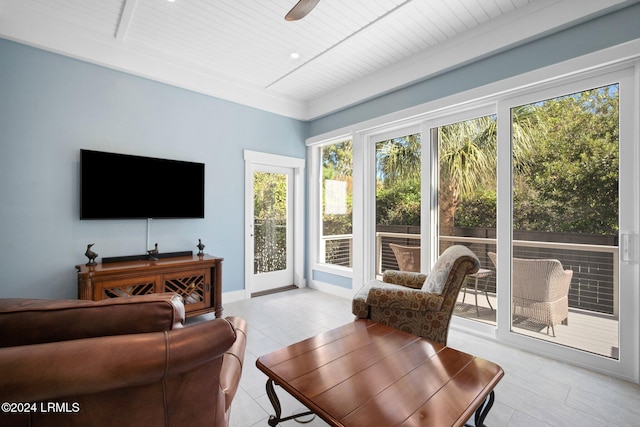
(51, 106)
(609, 30)
(332, 279)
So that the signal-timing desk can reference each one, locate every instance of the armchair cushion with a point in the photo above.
(440, 272)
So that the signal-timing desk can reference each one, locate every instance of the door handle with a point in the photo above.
(628, 245)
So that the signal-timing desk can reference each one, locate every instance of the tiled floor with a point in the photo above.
(534, 391)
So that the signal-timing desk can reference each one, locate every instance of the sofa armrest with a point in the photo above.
(79, 367)
(34, 321)
(233, 360)
(408, 279)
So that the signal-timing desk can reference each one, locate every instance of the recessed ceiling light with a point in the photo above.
(295, 55)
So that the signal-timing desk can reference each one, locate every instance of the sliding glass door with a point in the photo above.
(567, 191)
(397, 234)
(566, 219)
(542, 186)
(465, 167)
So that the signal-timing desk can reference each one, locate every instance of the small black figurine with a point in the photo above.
(152, 253)
(91, 255)
(200, 247)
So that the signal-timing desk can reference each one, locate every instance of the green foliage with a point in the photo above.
(337, 224)
(270, 191)
(337, 160)
(565, 163)
(398, 160)
(398, 185)
(477, 211)
(270, 215)
(399, 204)
(572, 182)
(467, 154)
(337, 164)
(565, 156)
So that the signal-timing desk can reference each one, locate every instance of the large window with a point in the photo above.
(337, 204)
(398, 196)
(543, 174)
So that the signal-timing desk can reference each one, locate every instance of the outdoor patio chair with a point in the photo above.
(418, 303)
(540, 290)
(407, 257)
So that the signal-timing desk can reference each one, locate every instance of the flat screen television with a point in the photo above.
(122, 186)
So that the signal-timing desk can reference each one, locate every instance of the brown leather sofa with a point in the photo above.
(117, 362)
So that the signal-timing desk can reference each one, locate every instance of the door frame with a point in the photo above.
(253, 159)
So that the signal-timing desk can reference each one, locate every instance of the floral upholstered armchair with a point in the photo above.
(417, 303)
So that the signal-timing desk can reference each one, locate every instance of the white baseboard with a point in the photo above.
(234, 296)
(331, 289)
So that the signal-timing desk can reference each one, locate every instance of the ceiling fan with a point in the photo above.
(301, 9)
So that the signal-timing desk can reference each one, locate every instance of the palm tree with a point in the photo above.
(399, 159)
(467, 158)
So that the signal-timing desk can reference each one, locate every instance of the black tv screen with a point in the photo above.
(122, 186)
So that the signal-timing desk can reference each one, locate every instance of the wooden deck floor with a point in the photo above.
(588, 331)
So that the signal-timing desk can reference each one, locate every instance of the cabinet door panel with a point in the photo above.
(140, 285)
(193, 285)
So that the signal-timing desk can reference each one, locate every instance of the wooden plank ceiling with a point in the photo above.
(246, 45)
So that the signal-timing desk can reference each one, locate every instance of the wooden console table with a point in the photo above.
(197, 278)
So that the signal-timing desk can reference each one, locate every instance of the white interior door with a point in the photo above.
(272, 228)
(273, 257)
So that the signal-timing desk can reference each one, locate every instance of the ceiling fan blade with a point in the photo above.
(301, 9)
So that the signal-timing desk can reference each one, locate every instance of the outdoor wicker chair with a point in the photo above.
(407, 257)
(540, 290)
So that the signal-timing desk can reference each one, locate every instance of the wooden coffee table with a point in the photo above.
(367, 374)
